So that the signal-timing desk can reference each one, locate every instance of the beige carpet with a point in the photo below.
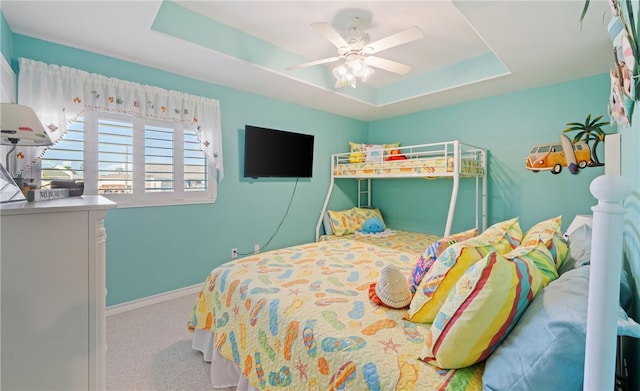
(149, 349)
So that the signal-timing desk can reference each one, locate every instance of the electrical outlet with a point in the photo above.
(256, 248)
(234, 253)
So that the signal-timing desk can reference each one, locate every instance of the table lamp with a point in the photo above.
(19, 126)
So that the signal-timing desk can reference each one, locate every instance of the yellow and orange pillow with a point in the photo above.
(348, 221)
(484, 305)
(550, 232)
(432, 252)
(473, 300)
(454, 261)
(359, 152)
(364, 214)
(343, 222)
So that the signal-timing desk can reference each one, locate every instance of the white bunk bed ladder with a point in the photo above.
(364, 191)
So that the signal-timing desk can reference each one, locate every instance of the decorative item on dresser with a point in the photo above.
(20, 126)
(52, 294)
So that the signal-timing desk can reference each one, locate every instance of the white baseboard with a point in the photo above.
(155, 299)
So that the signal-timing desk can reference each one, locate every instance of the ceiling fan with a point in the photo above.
(357, 51)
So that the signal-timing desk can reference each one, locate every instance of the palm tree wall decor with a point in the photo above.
(591, 129)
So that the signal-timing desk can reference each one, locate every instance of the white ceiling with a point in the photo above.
(246, 45)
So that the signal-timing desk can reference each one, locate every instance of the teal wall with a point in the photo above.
(509, 126)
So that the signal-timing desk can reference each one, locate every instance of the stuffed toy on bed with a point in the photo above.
(396, 155)
(374, 227)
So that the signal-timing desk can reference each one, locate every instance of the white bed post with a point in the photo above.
(604, 281)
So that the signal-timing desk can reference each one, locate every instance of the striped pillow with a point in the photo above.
(433, 251)
(484, 306)
(550, 232)
(452, 263)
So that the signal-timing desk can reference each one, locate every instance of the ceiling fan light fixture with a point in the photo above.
(340, 71)
(355, 48)
(353, 69)
(366, 73)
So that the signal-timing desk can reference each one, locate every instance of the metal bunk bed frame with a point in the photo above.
(450, 149)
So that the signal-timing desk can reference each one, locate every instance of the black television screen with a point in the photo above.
(277, 153)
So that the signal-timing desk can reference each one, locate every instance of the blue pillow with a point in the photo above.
(545, 350)
(580, 255)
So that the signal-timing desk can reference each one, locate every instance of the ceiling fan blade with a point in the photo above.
(399, 38)
(331, 34)
(312, 63)
(387, 65)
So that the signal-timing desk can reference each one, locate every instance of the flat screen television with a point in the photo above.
(277, 153)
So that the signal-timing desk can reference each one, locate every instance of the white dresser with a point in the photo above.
(52, 294)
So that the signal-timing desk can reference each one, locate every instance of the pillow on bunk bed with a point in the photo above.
(358, 151)
(364, 214)
(433, 251)
(549, 231)
(344, 222)
(373, 153)
(484, 305)
(451, 264)
(546, 348)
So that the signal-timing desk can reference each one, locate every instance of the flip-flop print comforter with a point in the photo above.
(300, 318)
(410, 242)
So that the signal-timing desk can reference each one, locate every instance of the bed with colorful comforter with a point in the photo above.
(301, 318)
(412, 242)
(500, 310)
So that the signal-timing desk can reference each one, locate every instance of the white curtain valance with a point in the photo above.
(59, 94)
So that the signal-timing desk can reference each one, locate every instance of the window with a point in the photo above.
(131, 161)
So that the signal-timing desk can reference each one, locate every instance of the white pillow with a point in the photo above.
(373, 153)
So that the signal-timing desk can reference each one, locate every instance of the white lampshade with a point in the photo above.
(21, 126)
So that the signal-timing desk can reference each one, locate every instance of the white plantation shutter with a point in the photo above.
(65, 160)
(131, 160)
(158, 159)
(115, 157)
(195, 164)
